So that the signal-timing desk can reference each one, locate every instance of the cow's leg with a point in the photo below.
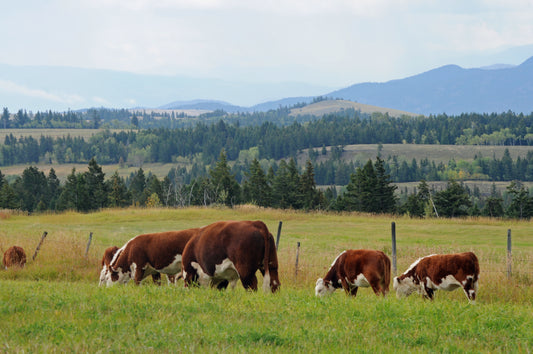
(429, 292)
(139, 275)
(156, 277)
(378, 289)
(222, 285)
(249, 282)
(353, 291)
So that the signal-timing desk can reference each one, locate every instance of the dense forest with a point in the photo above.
(257, 163)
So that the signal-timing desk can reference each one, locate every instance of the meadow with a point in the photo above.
(55, 303)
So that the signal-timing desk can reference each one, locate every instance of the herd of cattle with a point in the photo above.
(222, 253)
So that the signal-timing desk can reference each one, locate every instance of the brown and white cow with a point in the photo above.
(14, 256)
(226, 251)
(356, 268)
(144, 255)
(440, 271)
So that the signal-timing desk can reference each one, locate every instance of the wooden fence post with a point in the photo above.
(509, 254)
(88, 244)
(39, 245)
(279, 234)
(393, 231)
(297, 255)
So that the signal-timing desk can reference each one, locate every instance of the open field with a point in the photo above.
(332, 106)
(54, 133)
(408, 152)
(54, 304)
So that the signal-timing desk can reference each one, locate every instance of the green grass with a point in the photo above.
(54, 303)
(44, 316)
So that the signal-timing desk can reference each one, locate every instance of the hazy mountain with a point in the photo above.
(449, 89)
(61, 88)
(452, 90)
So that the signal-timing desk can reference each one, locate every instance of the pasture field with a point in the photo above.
(55, 304)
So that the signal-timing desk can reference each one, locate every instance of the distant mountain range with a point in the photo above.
(449, 89)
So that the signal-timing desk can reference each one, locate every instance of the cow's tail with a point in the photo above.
(387, 275)
(266, 262)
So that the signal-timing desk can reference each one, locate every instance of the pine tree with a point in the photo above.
(453, 201)
(224, 184)
(95, 183)
(118, 192)
(310, 195)
(137, 188)
(256, 187)
(384, 190)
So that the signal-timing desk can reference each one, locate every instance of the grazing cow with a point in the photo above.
(356, 268)
(144, 255)
(14, 257)
(226, 251)
(440, 271)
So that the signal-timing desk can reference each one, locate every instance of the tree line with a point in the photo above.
(285, 186)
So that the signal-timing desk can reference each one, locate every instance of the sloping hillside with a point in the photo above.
(452, 90)
(332, 106)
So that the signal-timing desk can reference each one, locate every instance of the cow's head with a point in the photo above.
(405, 286)
(323, 288)
(271, 279)
(109, 274)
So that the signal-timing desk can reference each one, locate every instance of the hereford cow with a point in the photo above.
(443, 271)
(356, 268)
(226, 251)
(14, 257)
(144, 255)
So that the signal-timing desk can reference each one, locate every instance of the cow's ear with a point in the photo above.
(398, 280)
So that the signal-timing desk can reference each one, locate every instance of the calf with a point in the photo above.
(440, 271)
(226, 251)
(14, 257)
(144, 255)
(356, 268)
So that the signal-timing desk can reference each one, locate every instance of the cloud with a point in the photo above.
(14, 88)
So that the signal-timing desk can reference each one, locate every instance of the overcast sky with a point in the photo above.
(335, 43)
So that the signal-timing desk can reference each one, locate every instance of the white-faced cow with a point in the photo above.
(356, 268)
(226, 251)
(14, 257)
(144, 255)
(440, 271)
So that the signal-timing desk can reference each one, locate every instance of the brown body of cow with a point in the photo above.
(440, 271)
(14, 257)
(148, 254)
(357, 268)
(226, 251)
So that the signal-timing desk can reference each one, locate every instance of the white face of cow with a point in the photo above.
(322, 288)
(123, 277)
(404, 287)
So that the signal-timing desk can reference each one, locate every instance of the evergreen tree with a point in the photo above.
(310, 195)
(30, 188)
(95, 183)
(137, 188)
(5, 118)
(521, 206)
(118, 192)
(453, 201)
(68, 199)
(281, 186)
(493, 204)
(8, 198)
(385, 199)
(256, 188)
(224, 184)
(53, 189)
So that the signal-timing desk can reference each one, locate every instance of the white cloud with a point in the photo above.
(11, 87)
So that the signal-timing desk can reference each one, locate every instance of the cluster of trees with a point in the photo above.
(337, 171)
(370, 189)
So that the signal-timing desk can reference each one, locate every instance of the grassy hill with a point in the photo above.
(332, 106)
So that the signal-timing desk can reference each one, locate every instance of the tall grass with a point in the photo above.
(54, 303)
